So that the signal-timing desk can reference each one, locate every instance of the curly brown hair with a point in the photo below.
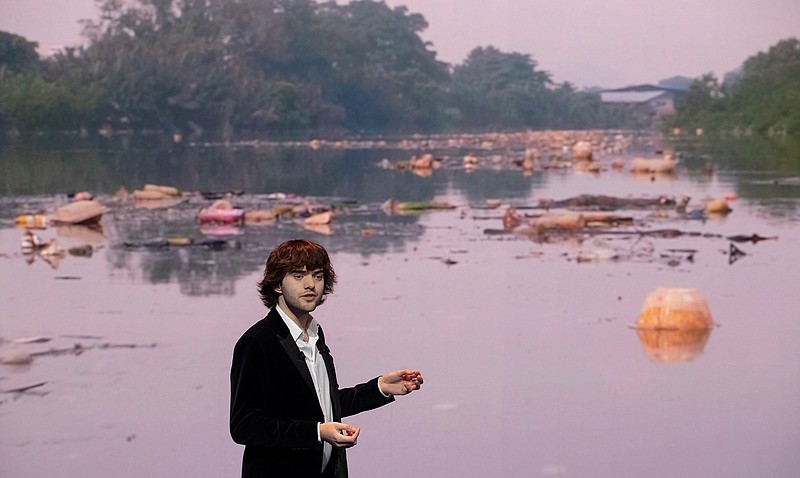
(291, 256)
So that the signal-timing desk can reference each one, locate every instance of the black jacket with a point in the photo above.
(274, 407)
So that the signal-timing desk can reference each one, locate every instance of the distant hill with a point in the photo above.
(677, 82)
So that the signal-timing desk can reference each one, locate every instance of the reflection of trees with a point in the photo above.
(138, 247)
(198, 270)
(351, 180)
(751, 153)
(28, 169)
(504, 184)
(139, 250)
(751, 157)
(103, 166)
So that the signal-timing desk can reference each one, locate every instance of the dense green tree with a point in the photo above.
(764, 98)
(87, 100)
(17, 54)
(33, 103)
(569, 108)
(162, 67)
(704, 95)
(769, 89)
(386, 75)
(492, 88)
(228, 68)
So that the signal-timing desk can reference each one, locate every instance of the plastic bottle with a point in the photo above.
(32, 221)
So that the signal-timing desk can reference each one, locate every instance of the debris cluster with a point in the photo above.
(220, 217)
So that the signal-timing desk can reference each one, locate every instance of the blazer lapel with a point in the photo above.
(295, 355)
(325, 352)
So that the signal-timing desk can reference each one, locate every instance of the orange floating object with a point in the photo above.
(673, 346)
(32, 221)
(675, 309)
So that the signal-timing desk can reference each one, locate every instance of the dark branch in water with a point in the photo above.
(23, 389)
(754, 238)
(662, 233)
(608, 203)
(78, 349)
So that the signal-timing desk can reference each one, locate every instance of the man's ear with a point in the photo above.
(278, 289)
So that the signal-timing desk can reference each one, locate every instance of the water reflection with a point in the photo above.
(673, 346)
(356, 183)
(411, 283)
(756, 166)
(91, 235)
(167, 245)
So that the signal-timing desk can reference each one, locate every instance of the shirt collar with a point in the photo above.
(294, 330)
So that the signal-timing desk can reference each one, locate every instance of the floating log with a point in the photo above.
(657, 233)
(607, 203)
(665, 165)
(220, 195)
(153, 192)
(754, 238)
(560, 222)
(605, 218)
(167, 190)
(412, 206)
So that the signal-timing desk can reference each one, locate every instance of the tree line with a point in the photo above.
(248, 67)
(761, 97)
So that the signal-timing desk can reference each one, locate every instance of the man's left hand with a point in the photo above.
(400, 382)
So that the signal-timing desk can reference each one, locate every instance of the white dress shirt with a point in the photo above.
(319, 372)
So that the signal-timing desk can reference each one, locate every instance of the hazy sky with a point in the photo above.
(607, 43)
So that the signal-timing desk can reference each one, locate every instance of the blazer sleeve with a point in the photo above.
(253, 381)
(362, 397)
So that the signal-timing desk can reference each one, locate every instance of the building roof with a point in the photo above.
(644, 88)
(616, 96)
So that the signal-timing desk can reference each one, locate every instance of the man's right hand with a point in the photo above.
(340, 435)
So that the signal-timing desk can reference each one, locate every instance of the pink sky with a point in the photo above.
(605, 43)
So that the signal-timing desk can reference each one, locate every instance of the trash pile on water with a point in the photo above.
(216, 220)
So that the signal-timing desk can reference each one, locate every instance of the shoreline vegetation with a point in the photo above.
(214, 70)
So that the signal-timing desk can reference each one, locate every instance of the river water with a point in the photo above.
(531, 365)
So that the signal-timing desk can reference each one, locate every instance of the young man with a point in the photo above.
(286, 404)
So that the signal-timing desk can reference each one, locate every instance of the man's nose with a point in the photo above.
(308, 281)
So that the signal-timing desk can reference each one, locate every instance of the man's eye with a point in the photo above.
(298, 276)
(319, 276)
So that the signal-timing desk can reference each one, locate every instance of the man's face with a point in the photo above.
(302, 290)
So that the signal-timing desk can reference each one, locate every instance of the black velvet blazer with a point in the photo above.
(274, 407)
